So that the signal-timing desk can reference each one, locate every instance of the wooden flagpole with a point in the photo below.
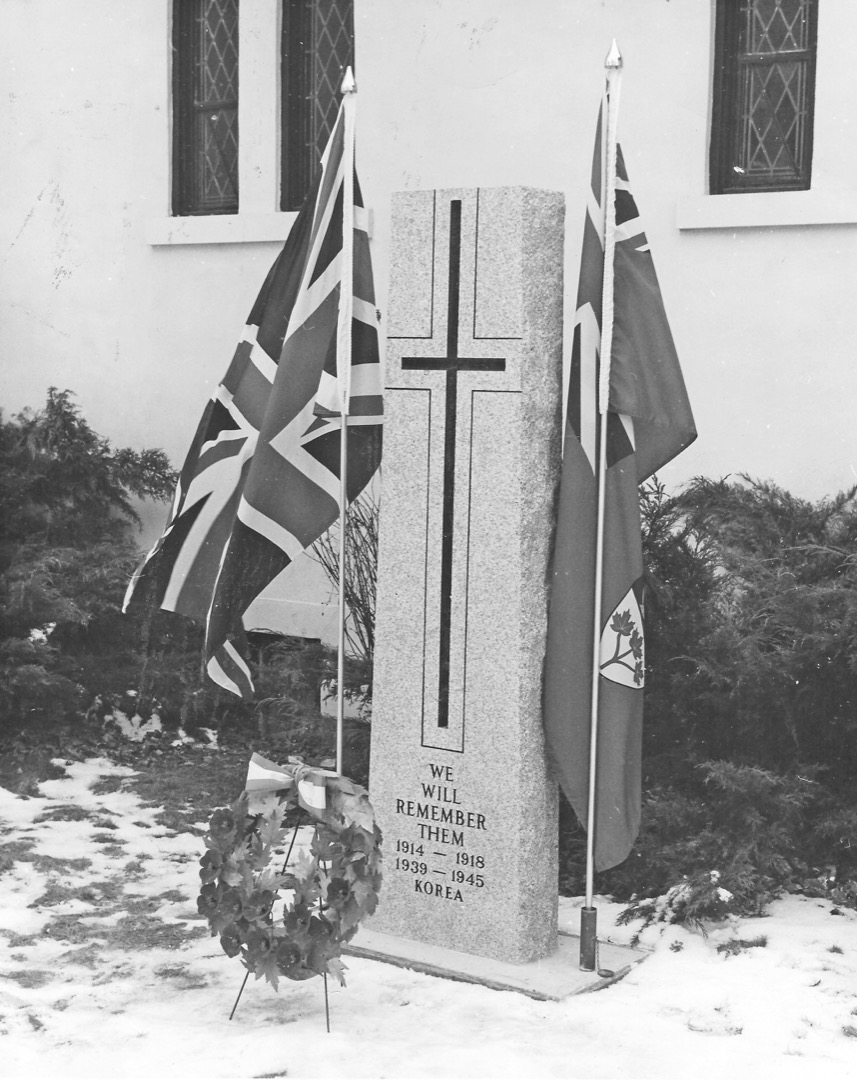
(613, 73)
(343, 371)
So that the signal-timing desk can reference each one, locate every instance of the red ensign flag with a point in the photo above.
(648, 423)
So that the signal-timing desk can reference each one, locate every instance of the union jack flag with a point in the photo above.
(648, 422)
(261, 481)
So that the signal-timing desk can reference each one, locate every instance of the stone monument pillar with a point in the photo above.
(471, 458)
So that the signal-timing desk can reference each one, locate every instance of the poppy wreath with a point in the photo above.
(291, 922)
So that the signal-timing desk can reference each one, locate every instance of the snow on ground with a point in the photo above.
(106, 971)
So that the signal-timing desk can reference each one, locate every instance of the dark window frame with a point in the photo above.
(729, 125)
(294, 116)
(299, 151)
(188, 194)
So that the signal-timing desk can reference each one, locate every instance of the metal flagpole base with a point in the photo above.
(588, 938)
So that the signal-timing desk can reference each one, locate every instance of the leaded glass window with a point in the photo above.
(317, 47)
(764, 88)
(205, 106)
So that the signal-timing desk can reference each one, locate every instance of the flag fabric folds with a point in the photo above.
(265, 776)
(648, 422)
(261, 480)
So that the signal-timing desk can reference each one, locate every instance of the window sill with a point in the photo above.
(219, 229)
(755, 210)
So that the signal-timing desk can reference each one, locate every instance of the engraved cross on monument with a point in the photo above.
(471, 456)
(452, 363)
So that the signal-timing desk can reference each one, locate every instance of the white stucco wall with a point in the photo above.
(451, 92)
(483, 92)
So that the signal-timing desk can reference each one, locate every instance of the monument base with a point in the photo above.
(555, 977)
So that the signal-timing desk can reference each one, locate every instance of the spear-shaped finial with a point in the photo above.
(614, 57)
(349, 86)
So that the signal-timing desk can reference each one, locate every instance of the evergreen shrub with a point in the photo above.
(68, 656)
(750, 732)
(67, 550)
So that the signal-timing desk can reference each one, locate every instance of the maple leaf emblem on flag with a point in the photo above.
(622, 642)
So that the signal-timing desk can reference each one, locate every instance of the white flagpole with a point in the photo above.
(613, 72)
(340, 648)
(343, 373)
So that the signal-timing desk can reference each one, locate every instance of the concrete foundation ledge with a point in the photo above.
(555, 977)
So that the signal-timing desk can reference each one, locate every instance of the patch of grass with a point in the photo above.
(139, 905)
(60, 866)
(16, 851)
(106, 838)
(835, 949)
(136, 869)
(136, 931)
(30, 978)
(182, 974)
(177, 819)
(75, 929)
(19, 941)
(21, 851)
(55, 893)
(171, 971)
(192, 793)
(104, 823)
(172, 896)
(115, 850)
(6, 863)
(140, 932)
(112, 889)
(183, 857)
(118, 971)
(21, 770)
(106, 785)
(93, 893)
(88, 956)
(738, 945)
(135, 905)
(66, 812)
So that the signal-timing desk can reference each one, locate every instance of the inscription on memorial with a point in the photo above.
(459, 781)
(443, 855)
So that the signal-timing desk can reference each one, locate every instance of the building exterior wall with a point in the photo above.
(104, 294)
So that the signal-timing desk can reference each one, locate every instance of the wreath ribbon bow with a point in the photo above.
(265, 775)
